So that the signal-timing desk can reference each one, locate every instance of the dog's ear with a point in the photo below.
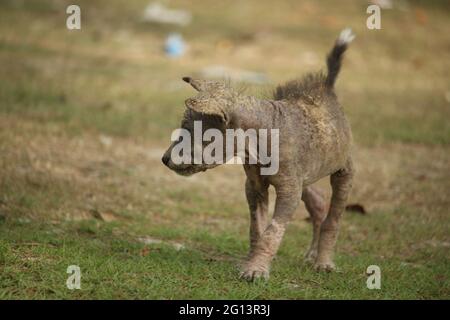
(207, 107)
(198, 85)
(204, 85)
(217, 101)
(202, 106)
(193, 104)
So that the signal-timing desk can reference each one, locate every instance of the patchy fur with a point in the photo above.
(315, 141)
(308, 88)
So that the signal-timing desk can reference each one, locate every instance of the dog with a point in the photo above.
(315, 141)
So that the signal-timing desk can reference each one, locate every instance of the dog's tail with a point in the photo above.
(334, 58)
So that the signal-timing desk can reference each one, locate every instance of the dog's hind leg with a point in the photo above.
(341, 183)
(316, 207)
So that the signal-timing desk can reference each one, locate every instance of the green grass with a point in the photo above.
(35, 257)
(67, 197)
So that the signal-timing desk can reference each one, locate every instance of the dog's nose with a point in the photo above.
(165, 159)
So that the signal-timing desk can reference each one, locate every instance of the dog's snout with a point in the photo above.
(165, 159)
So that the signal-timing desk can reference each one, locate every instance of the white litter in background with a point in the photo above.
(223, 72)
(383, 4)
(149, 241)
(156, 12)
(105, 140)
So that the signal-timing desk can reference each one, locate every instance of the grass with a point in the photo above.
(36, 257)
(85, 117)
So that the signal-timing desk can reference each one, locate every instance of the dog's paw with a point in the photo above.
(325, 266)
(250, 273)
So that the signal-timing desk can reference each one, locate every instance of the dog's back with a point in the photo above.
(324, 136)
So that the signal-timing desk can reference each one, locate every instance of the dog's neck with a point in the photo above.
(251, 113)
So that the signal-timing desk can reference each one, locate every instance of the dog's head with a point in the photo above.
(209, 109)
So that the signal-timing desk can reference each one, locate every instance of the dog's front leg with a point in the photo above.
(258, 263)
(257, 194)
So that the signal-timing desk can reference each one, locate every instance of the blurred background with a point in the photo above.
(85, 116)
